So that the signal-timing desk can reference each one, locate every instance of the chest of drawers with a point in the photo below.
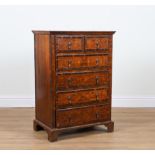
(73, 80)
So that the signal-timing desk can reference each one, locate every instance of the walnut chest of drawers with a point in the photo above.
(73, 80)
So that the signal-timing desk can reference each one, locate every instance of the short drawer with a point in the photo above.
(96, 43)
(82, 97)
(69, 43)
(82, 80)
(81, 116)
(81, 62)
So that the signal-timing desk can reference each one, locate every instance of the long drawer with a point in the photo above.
(82, 80)
(80, 116)
(82, 97)
(81, 62)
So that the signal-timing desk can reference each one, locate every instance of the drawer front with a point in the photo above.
(96, 43)
(80, 116)
(83, 97)
(81, 62)
(69, 43)
(83, 80)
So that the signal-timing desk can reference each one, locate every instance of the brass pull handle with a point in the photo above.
(97, 115)
(69, 45)
(97, 98)
(97, 45)
(69, 99)
(69, 63)
(97, 62)
(97, 80)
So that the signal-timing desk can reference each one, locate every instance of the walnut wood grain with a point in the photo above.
(42, 79)
(82, 116)
(84, 80)
(81, 97)
(69, 43)
(81, 62)
(96, 43)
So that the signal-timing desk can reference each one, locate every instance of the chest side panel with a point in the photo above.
(42, 79)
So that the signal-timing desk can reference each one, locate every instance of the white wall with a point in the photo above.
(134, 48)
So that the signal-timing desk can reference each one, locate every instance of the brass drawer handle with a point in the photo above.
(97, 45)
(69, 45)
(97, 62)
(97, 80)
(69, 63)
(69, 99)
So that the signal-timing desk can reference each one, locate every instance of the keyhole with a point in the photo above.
(97, 80)
(97, 44)
(69, 99)
(69, 45)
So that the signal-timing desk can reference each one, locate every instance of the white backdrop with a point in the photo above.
(133, 53)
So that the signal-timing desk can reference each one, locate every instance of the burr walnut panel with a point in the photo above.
(82, 80)
(96, 43)
(81, 97)
(79, 116)
(69, 43)
(81, 62)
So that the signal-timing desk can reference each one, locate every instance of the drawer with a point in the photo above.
(96, 43)
(81, 62)
(83, 97)
(82, 80)
(81, 116)
(69, 43)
